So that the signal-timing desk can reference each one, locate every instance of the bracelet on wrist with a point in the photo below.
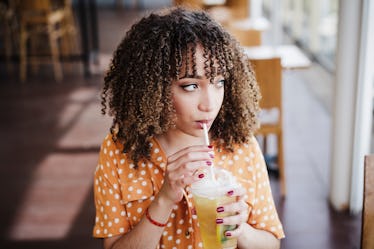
(153, 221)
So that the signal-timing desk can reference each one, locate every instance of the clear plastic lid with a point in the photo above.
(222, 182)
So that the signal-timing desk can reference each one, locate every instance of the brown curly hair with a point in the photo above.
(151, 56)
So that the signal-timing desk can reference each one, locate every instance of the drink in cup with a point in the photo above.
(210, 193)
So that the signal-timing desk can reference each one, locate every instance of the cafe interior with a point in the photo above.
(313, 61)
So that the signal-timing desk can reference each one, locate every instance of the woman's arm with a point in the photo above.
(145, 234)
(179, 173)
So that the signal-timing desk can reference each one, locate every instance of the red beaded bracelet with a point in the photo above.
(153, 221)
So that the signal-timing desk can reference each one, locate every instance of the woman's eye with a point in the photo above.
(189, 87)
(220, 83)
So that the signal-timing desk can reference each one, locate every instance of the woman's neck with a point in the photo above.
(173, 141)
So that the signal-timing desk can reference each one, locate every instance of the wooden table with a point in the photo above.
(260, 23)
(291, 56)
(208, 3)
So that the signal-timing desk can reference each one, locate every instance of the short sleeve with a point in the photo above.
(263, 215)
(111, 217)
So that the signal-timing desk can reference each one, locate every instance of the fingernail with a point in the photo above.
(219, 221)
(211, 155)
(228, 234)
(208, 163)
(201, 176)
(231, 192)
(210, 146)
(220, 209)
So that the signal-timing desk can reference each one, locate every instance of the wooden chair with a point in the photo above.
(194, 4)
(367, 238)
(69, 43)
(230, 11)
(239, 8)
(246, 37)
(8, 32)
(40, 19)
(269, 77)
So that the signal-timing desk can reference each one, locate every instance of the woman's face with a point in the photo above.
(195, 99)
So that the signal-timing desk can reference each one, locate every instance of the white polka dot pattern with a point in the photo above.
(124, 191)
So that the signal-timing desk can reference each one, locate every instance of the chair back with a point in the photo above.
(269, 77)
(195, 4)
(246, 37)
(240, 8)
(41, 22)
(367, 239)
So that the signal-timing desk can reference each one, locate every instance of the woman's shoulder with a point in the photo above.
(246, 150)
(250, 145)
(111, 142)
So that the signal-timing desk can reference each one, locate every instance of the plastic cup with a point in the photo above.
(208, 195)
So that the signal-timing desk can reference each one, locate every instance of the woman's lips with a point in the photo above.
(207, 122)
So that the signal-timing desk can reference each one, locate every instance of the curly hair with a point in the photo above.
(137, 86)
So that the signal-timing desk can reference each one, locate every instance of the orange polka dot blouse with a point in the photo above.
(122, 193)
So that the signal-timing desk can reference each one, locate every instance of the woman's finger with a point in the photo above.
(190, 168)
(184, 160)
(240, 211)
(234, 233)
(236, 207)
(238, 192)
(236, 219)
(187, 180)
(188, 150)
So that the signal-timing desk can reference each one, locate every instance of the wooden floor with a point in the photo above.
(50, 134)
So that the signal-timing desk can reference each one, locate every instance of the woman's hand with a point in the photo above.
(240, 210)
(183, 169)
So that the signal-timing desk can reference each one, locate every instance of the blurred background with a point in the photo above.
(314, 63)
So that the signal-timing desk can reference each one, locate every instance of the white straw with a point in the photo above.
(206, 136)
(206, 139)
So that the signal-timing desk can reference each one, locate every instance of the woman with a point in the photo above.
(174, 71)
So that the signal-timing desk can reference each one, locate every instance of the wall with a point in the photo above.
(130, 3)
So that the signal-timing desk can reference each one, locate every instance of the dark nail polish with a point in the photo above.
(228, 234)
(219, 221)
(209, 163)
(220, 209)
(231, 192)
(210, 146)
(201, 176)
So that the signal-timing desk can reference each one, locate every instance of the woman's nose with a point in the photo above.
(206, 101)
